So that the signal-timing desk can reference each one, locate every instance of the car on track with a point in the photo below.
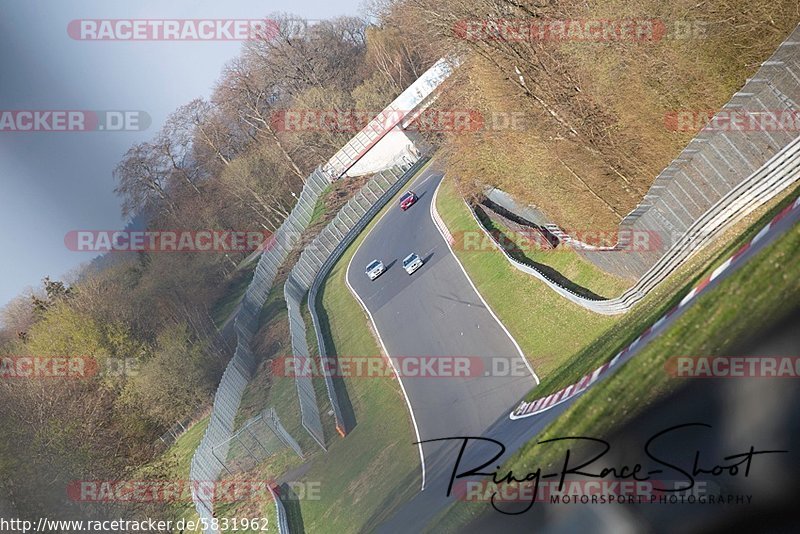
(411, 263)
(407, 200)
(375, 269)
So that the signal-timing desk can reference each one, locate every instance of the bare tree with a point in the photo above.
(242, 94)
(142, 181)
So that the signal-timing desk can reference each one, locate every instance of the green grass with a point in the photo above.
(359, 475)
(537, 317)
(320, 388)
(655, 305)
(237, 284)
(320, 208)
(563, 260)
(714, 325)
(563, 341)
(375, 468)
(174, 463)
(265, 389)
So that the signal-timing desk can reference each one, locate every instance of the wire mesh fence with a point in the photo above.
(259, 438)
(171, 436)
(209, 458)
(719, 178)
(766, 183)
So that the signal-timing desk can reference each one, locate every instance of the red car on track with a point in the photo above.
(408, 200)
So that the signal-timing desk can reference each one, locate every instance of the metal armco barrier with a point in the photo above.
(767, 182)
(314, 265)
(283, 521)
(712, 164)
(718, 179)
(542, 404)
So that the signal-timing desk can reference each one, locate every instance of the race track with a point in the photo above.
(436, 312)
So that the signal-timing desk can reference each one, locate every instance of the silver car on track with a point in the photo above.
(411, 263)
(375, 269)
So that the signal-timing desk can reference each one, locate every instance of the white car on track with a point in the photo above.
(375, 269)
(411, 263)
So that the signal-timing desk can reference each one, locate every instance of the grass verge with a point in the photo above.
(264, 390)
(358, 476)
(562, 264)
(560, 339)
(664, 297)
(714, 325)
(173, 465)
(536, 316)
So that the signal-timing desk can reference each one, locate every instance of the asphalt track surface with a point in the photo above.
(437, 312)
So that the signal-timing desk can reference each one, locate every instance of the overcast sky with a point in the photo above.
(51, 183)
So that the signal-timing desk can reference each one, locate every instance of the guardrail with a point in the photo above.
(542, 404)
(280, 511)
(771, 179)
(749, 130)
(316, 262)
(743, 135)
